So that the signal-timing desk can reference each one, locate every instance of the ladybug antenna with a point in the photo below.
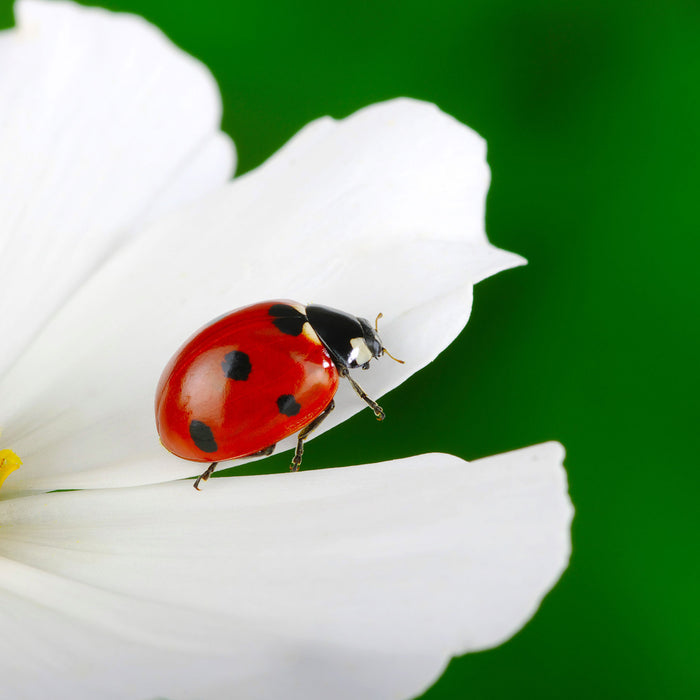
(395, 359)
(384, 350)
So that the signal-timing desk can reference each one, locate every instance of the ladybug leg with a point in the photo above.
(296, 460)
(264, 453)
(378, 410)
(205, 475)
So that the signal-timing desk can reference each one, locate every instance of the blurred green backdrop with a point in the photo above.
(592, 114)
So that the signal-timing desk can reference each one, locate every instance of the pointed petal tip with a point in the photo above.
(488, 260)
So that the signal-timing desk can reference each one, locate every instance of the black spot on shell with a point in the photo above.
(236, 365)
(287, 318)
(287, 405)
(202, 436)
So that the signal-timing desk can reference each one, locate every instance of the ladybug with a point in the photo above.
(256, 375)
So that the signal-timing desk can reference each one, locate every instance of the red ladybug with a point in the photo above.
(257, 375)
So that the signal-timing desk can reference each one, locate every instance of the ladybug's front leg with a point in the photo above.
(378, 410)
(296, 460)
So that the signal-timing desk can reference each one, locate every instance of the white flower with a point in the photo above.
(119, 237)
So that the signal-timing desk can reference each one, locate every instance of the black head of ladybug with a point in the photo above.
(350, 340)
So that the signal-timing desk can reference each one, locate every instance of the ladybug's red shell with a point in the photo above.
(243, 383)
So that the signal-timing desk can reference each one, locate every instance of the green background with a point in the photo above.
(592, 116)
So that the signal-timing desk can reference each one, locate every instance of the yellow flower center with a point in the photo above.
(9, 461)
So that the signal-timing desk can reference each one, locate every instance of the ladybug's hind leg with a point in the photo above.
(205, 475)
(296, 460)
(378, 410)
(210, 469)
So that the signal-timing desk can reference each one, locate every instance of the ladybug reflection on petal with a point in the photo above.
(253, 377)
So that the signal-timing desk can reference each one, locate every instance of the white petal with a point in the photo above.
(383, 211)
(347, 583)
(102, 120)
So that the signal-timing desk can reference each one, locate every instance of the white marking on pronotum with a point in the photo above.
(361, 354)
